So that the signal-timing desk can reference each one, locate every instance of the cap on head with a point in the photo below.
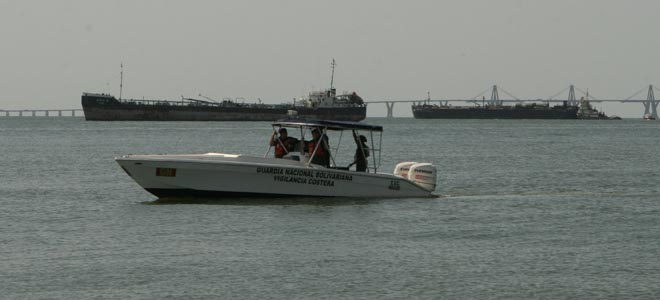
(282, 130)
(315, 130)
(363, 138)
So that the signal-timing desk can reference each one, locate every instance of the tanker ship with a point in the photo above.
(321, 105)
(326, 105)
(519, 111)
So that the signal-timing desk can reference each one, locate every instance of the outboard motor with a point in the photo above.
(424, 175)
(403, 168)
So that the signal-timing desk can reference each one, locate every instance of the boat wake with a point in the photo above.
(531, 195)
(330, 201)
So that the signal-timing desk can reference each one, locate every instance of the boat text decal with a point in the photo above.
(394, 185)
(300, 176)
(166, 172)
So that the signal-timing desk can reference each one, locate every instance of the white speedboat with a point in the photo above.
(235, 175)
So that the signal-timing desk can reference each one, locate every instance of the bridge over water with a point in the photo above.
(69, 112)
(650, 104)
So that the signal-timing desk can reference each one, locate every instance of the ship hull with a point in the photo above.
(100, 109)
(437, 112)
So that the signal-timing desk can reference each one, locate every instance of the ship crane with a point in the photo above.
(207, 98)
(210, 101)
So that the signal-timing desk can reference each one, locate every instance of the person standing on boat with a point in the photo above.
(283, 144)
(361, 153)
(322, 154)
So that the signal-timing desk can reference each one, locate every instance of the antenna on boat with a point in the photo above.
(121, 79)
(587, 95)
(332, 77)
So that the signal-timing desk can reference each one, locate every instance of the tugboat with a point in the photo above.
(588, 112)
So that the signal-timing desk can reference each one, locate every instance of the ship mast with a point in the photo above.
(121, 79)
(332, 77)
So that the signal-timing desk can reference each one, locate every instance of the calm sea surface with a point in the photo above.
(528, 210)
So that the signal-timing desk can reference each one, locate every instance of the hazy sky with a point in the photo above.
(52, 51)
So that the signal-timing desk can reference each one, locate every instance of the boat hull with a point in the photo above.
(222, 175)
(109, 109)
(447, 112)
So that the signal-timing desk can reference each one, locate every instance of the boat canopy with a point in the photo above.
(375, 137)
(329, 125)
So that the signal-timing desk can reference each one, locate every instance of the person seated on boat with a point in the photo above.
(361, 153)
(283, 144)
(322, 154)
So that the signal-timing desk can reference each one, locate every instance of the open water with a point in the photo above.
(528, 210)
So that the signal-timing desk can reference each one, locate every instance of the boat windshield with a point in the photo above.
(341, 156)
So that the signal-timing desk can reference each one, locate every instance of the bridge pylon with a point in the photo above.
(650, 105)
(571, 97)
(494, 97)
(390, 109)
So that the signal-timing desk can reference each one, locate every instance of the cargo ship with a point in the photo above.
(322, 105)
(519, 111)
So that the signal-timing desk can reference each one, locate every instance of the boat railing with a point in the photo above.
(197, 103)
(162, 102)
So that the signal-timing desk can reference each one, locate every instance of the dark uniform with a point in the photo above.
(361, 154)
(322, 155)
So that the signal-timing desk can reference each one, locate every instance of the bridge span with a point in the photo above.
(69, 112)
(650, 104)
